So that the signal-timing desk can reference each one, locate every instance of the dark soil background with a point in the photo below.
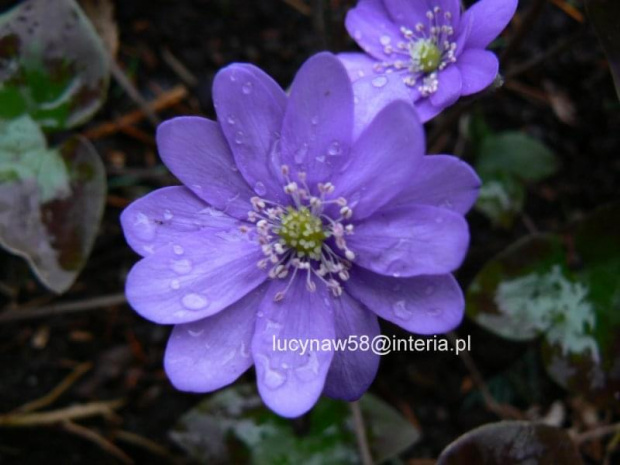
(434, 390)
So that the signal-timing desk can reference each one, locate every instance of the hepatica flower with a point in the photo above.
(423, 51)
(288, 227)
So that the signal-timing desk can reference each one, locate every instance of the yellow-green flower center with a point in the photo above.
(302, 231)
(425, 55)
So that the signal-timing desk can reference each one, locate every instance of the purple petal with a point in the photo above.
(290, 382)
(213, 352)
(358, 65)
(422, 304)
(410, 241)
(426, 110)
(318, 124)
(390, 148)
(409, 13)
(197, 153)
(164, 216)
(441, 181)
(250, 108)
(202, 274)
(370, 25)
(478, 69)
(448, 88)
(352, 372)
(489, 19)
(373, 93)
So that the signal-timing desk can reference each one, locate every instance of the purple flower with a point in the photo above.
(289, 228)
(422, 51)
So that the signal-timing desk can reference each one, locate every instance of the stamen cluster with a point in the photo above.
(294, 238)
(427, 49)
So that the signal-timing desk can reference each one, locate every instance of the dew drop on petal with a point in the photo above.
(320, 158)
(385, 40)
(310, 369)
(400, 310)
(144, 229)
(194, 301)
(260, 188)
(183, 266)
(335, 148)
(175, 284)
(433, 311)
(273, 379)
(239, 137)
(247, 88)
(194, 333)
(379, 81)
(168, 215)
(231, 119)
(300, 154)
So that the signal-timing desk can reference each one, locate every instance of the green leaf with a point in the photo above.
(512, 443)
(53, 65)
(568, 296)
(51, 201)
(605, 16)
(501, 199)
(516, 154)
(233, 426)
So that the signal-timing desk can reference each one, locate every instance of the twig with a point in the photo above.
(144, 443)
(75, 412)
(179, 68)
(502, 410)
(97, 439)
(56, 392)
(360, 433)
(597, 433)
(300, 6)
(133, 93)
(570, 10)
(69, 307)
(524, 28)
(163, 101)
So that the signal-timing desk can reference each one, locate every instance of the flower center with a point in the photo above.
(422, 52)
(299, 238)
(425, 55)
(302, 231)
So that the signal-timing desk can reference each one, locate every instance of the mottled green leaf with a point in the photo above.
(51, 201)
(512, 443)
(52, 64)
(516, 154)
(605, 16)
(565, 290)
(501, 199)
(233, 426)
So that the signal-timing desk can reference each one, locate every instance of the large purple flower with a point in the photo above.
(422, 51)
(287, 227)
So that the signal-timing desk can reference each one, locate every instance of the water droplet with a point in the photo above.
(273, 379)
(385, 40)
(233, 77)
(234, 168)
(177, 249)
(168, 215)
(379, 81)
(211, 212)
(310, 369)
(231, 119)
(335, 148)
(301, 153)
(260, 188)
(239, 137)
(182, 266)
(194, 333)
(260, 314)
(320, 158)
(446, 203)
(433, 311)
(247, 88)
(144, 229)
(194, 301)
(175, 284)
(400, 310)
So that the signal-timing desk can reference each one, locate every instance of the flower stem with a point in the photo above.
(360, 433)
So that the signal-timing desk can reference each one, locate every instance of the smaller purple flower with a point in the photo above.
(288, 228)
(422, 51)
